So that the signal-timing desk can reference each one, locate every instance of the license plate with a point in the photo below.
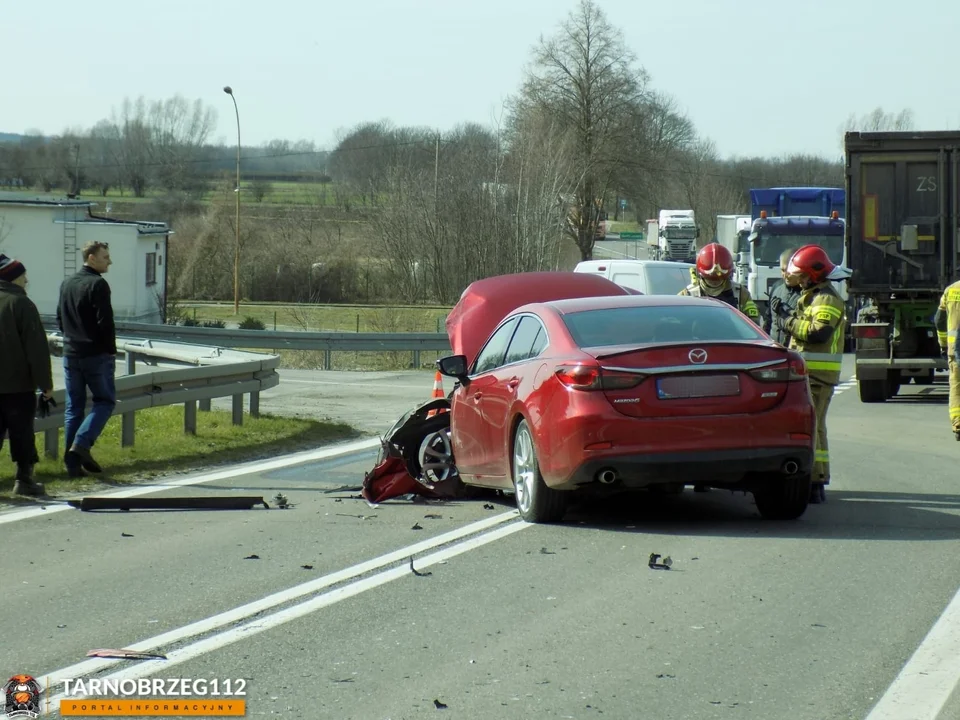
(698, 386)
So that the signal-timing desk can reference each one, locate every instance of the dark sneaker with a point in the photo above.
(28, 487)
(76, 472)
(85, 458)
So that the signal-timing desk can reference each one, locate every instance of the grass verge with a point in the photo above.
(162, 448)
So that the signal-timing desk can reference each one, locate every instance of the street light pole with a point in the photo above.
(236, 256)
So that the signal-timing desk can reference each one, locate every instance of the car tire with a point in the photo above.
(783, 498)
(536, 502)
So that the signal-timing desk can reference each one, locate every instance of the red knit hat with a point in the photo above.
(10, 269)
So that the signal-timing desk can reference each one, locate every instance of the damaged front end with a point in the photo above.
(416, 457)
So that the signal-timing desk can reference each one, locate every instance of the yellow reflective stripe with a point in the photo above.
(823, 361)
(828, 309)
(952, 295)
(954, 412)
(942, 338)
(950, 334)
(821, 456)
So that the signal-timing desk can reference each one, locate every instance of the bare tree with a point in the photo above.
(878, 120)
(587, 78)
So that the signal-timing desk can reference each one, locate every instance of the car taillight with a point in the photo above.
(794, 371)
(591, 377)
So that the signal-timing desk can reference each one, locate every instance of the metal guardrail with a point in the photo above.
(328, 343)
(208, 372)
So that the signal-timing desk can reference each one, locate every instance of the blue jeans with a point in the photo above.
(96, 373)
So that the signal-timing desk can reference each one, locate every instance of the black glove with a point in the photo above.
(44, 405)
(775, 304)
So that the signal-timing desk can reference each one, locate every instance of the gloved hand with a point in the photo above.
(44, 403)
(775, 305)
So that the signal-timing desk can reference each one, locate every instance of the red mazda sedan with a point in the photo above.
(613, 393)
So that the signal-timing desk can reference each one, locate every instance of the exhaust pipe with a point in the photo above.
(790, 467)
(607, 477)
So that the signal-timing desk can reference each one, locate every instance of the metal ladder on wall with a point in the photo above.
(69, 244)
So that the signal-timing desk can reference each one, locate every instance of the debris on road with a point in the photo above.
(282, 501)
(417, 572)
(417, 526)
(125, 654)
(439, 705)
(307, 567)
(433, 516)
(488, 506)
(123, 534)
(544, 551)
(360, 517)
(252, 557)
(223, 502)
(653, 563)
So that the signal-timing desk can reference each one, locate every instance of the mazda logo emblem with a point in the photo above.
(698, 356)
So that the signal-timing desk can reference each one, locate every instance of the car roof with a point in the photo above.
(631, 261)
(573, 305)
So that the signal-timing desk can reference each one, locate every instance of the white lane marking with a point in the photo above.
(269, 602)
(230, 472)
(930, 676)
(254, 627)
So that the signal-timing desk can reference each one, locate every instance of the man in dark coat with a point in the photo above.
(783, 295)
(24, 369)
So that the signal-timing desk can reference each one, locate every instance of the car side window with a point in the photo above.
(522, 344)
(539, 343)
(491, 356)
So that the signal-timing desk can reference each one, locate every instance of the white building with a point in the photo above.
(46, 234)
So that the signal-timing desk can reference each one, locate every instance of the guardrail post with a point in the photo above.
(416, 359)
(205, 405)
(128, 429)
(238, 409)
(131, 363)
(190, 417)
(327, 359)
(255, 404)
(51, 443)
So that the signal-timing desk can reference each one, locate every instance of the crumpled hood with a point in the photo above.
(486, 302)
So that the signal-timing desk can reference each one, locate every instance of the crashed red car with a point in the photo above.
(416, 454)
(598, 394)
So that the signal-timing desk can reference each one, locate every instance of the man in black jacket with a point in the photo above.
(781, 295)
(24, 369)
(85, 317)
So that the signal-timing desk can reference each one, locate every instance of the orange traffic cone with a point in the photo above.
(437, 392)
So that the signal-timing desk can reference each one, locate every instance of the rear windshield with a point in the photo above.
(637, 325)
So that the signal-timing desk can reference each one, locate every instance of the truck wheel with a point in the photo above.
(783, 498)
(894, 382)
(924, 379)
(872, 391)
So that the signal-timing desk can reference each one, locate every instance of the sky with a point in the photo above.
(767, 79)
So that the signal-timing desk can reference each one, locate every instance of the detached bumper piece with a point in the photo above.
(224, 502)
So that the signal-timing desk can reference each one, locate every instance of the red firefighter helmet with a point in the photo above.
(812, 261)
(714, 263)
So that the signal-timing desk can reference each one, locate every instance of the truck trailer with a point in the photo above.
(903, 192)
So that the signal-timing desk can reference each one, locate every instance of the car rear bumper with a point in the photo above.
(712, 467)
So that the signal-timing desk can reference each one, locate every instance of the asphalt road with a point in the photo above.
(806, 620)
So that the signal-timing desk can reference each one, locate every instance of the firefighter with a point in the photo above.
(947, 321)
(816, 328)
(713, 277)
(784, 293)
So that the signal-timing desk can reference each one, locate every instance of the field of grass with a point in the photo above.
(162, 447)
(334, 318)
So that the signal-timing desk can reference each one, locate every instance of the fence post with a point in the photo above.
(255, 404)
(238, 409)
(128, 425)
(190, 417)
(51, 443)
(205, 405)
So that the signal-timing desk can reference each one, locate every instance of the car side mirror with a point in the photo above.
(454, 366)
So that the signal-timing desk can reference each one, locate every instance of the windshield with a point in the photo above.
(687, 233)
(768, 250)
(637, 325)
(667, 280)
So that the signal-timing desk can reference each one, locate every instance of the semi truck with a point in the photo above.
(675, 237)
(732, 232)
(902, 240)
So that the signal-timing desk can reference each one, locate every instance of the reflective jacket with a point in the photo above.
(947, 320)
(733, 294)
(816, 330)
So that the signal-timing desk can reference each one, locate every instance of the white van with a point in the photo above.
(651, 277)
